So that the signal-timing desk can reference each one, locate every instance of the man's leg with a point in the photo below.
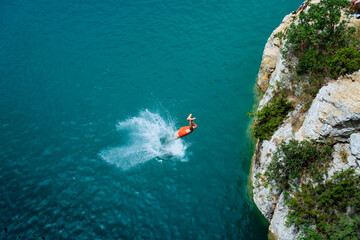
(357, 6)
(192, 125)
(298, 10)
(351, 5)
(302, 8)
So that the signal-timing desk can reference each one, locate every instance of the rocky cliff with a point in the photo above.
(334, 114)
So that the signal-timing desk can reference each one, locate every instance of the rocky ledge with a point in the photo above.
(334, 114)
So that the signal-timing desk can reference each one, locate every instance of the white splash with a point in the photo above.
(145, 132)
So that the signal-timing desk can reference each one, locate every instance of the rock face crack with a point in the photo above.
(257, 154)
(335, 105)
(352, 123)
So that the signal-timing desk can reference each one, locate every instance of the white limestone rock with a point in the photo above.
(342, 159)
(270, 58)
(280, 73)
(277, 226)
(335, 112)
(355, 144)
(264, 199)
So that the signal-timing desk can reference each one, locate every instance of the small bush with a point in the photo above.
(347, 60)
(345, 227)
(319, 44)
(294, 160)
(310, 234)
(318, 33)
(268, 119)
(324, 206)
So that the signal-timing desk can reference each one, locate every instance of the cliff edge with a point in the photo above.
(334, 115)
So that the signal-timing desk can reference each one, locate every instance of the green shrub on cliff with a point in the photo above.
(294, 160)
(320, 208)
(268, 119)
(323, 45)
(346, 60)
(326, 206)
(319, 33)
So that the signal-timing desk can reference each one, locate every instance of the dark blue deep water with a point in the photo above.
(87, 89)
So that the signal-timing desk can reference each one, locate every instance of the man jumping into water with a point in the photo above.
(183, 131)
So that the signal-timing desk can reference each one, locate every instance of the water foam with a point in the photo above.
(145, 132)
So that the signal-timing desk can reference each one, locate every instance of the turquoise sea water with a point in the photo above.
(88, 88)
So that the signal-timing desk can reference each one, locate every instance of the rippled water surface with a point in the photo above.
(88, 89)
